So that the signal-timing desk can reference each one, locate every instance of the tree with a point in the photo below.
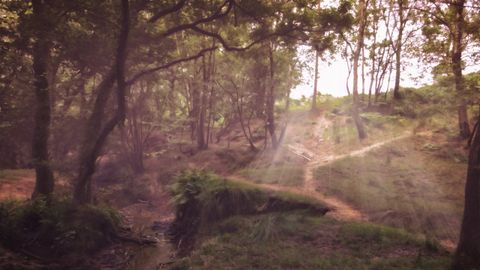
(457, 33)
(44, 181)
(89, 74)
(398, 46)
(362, 16)
(96, 134)
(315, 83)
(444, 30)
(467, 255)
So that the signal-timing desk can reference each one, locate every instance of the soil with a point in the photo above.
(20, 188)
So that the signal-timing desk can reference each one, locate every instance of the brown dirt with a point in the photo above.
(20, 188)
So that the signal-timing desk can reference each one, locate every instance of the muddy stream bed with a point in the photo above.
(148, 221)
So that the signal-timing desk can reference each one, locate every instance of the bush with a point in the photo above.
(56, 227)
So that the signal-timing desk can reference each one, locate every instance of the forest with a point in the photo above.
(200, 134)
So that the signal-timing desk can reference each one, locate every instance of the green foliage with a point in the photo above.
(56, 225)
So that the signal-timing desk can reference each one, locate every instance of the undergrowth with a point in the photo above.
(55, 227)
(297, 240)
(408, 184)
(288, 175)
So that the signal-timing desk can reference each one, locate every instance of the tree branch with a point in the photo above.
(170, 64)
(167, 11)
(238, 49)
(218, 14)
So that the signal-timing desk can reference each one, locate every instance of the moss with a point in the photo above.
(202, 199)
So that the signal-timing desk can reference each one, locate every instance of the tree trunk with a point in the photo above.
(467, 255)
(238, 104)
(271, 101)
(96, 135)
(315, 83)
(201, 143)
(457, 49)
(398, 51)
(355, 113)
(136, 139)
(363, 73)
(44, 181)
(259, 94)
(172, 102)
(195, 107)
(373, 54)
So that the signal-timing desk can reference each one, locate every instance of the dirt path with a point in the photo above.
(342, 211)
(327, 159)
(321, 153)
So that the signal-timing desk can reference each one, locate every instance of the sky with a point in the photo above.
(333, 73)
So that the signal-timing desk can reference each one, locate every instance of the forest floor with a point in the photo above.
(311, 163)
